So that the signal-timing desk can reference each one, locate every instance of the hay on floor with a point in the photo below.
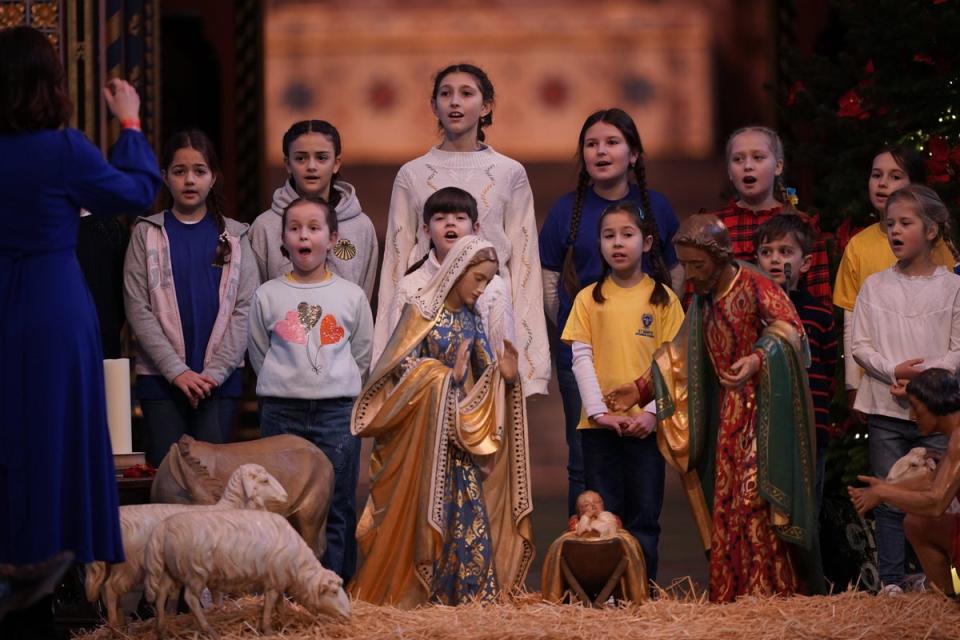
(848, 615)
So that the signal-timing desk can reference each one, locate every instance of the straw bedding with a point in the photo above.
(676, 614)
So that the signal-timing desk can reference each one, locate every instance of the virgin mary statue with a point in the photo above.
(448, 517)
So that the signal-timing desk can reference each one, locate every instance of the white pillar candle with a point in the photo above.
(117, 378)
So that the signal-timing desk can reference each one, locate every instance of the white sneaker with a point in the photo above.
(891, 590)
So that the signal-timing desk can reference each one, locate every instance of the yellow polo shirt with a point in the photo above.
(624, 331)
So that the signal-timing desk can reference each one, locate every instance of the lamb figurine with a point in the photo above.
(916, 469)
(237, 551)
(249, 487)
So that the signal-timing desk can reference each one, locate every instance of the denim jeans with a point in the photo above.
(326, 423)
(890, 440)
(165, 421)
(570, 396)
(628, 473)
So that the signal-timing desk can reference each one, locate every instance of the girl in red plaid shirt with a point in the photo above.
(755, 167)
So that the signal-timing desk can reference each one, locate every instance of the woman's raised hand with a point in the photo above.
(122, 99)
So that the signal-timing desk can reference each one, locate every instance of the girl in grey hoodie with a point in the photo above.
(311, 155)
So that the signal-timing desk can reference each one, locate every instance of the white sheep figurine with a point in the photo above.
(249, 487)
(916, 470)
(237, 551)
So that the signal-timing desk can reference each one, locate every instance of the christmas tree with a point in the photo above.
(884, 72)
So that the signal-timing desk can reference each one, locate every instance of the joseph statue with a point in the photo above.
(735, 418)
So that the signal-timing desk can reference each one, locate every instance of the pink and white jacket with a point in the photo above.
(150, 301)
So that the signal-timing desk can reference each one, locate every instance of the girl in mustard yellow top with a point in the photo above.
(613, 329)
(869, 252)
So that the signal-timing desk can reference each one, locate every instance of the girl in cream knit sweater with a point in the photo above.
(462, 100)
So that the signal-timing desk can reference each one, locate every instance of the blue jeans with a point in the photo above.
(628, 473)
(165, 420)
(570, 396)
(326, 423)
(890, 440)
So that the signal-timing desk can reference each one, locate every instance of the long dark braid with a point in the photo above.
(419, 263)
(215, 204)
(640, 174)
(569, 275)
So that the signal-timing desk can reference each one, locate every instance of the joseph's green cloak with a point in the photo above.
(784, 429)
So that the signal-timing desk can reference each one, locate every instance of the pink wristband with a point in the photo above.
(130, 123)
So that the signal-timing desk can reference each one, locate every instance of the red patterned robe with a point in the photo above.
(747, 556)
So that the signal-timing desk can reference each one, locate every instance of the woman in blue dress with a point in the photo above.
(58, 492)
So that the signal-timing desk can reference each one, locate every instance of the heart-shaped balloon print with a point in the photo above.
(330, 331)
(290, 329)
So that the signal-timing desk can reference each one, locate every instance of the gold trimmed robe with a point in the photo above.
(415, 413)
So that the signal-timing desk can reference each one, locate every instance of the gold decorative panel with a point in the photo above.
(368, 70)
(12, 14)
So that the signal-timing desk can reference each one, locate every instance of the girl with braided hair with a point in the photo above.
(609, 153)
(189, 276)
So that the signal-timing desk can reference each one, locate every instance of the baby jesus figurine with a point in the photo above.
(593, 521)
(592, 526)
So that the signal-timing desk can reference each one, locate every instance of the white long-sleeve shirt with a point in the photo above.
(507, 220)
(897, 318)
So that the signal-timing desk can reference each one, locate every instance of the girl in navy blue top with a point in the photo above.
(189, 277)
(609, 152)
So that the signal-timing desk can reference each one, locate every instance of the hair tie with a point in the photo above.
(792, 196)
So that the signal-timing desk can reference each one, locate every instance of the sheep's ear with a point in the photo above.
(249, 482)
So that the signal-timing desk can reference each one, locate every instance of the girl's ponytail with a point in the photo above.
(948, 240)
(604, 274)
(658, 267)
(419, 263)
(640, 174)
(648, 225)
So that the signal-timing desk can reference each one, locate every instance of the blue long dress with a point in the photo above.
(465, 569)
(57, 485)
